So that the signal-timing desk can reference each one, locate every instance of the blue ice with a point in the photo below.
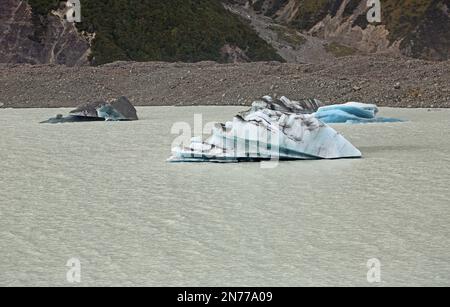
(352, 113)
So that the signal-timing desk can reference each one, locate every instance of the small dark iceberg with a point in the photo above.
(119, 109)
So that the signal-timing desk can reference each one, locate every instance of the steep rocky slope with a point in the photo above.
(34, 32)
(417, 28)
(26, 37)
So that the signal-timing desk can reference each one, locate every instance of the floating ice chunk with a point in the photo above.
(116, 110)
(109, 113)
(358, 110)
(351, 112)
(265, 132)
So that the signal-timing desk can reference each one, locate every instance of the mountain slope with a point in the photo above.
(33, 31)
(27, 37)
(417, 28)
(171, 30)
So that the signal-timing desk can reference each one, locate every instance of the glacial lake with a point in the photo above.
(103, 193)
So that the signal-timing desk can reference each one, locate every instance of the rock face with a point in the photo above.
(268, 132)
(413, 28)
(303, 27)
(29, 38)
(233, 54)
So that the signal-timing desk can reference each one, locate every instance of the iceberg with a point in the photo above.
(115, 110)
(351, 113)
(119, 109)
(272, 129)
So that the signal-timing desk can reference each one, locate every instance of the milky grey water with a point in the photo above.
(103, 193)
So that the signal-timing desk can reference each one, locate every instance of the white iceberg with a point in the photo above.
(271, 129)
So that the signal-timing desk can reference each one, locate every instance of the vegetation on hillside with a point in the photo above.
(170, 30)
(42, 7)
(289, 35)
(401, 17)
(339, 50)
(311, 12)
(420, 25)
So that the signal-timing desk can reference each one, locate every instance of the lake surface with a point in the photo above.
(103, 193)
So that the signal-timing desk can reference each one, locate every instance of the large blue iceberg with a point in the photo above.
(351, 113)
(272, 129)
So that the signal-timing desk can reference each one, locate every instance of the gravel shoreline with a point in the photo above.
(383, 80)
